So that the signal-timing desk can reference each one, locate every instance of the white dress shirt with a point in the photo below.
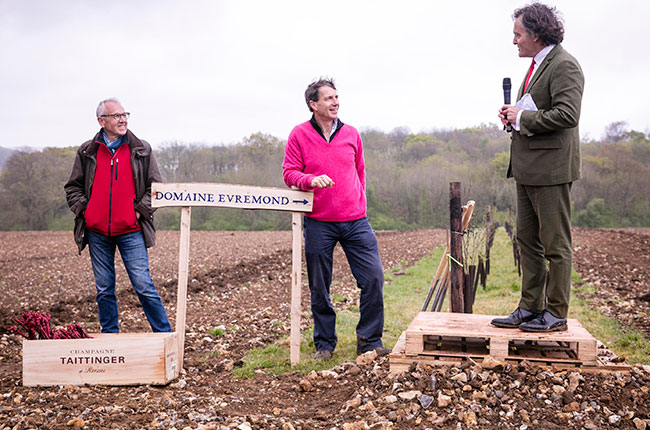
(541, 55)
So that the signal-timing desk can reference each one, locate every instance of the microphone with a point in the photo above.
(506, 90)
(507, 85)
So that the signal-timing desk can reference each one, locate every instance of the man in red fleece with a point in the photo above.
(326, 156)
(109, 191)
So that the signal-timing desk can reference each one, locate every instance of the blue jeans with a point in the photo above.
(360, 246)
(136, 261)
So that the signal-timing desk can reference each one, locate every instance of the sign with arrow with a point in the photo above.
(187, 195)
(230, 196)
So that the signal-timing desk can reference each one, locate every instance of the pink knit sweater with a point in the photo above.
(308, 155)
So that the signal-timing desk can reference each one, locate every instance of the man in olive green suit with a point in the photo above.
(544, 160)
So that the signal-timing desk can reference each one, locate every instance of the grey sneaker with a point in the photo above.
(323, 353)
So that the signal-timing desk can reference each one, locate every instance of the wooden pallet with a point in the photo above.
(440, 338)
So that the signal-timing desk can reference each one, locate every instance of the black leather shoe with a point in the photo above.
(515, 319)
(544, 322)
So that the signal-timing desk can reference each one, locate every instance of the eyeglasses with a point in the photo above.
(118, 116)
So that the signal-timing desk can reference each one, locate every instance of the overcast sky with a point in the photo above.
(212, 72)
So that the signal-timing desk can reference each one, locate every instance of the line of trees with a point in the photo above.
(408, 179)
(616, 172)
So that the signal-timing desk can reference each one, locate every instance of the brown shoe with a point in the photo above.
(380, 350)
(323, 354)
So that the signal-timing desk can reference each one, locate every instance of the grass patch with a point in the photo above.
(403, 299)
(217, 332)
(274, 358)
(404, 296)
(503, 287)
(338, 298)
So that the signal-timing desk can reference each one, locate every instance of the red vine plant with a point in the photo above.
(37, 326)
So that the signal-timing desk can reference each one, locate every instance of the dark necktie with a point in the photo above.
(530, 73)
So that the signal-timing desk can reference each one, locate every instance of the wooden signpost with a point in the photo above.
(157, 358)
(187, 195)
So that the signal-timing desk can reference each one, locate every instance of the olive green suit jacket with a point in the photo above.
(546, 150)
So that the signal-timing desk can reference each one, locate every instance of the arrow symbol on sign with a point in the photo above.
(304, 202)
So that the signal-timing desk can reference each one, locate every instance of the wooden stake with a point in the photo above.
(436, 284)
(456, 248)
(441, 277)
(296, 285)
(183, 270)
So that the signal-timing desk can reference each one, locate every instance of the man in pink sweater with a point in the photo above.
(326, 156)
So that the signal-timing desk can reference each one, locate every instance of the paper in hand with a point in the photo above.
(527, 103)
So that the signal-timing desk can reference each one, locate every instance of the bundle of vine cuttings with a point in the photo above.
(37, 326)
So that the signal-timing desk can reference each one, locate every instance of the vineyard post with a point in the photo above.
(456, 248)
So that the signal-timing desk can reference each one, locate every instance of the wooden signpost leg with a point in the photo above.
(296, 283)
(183, 269)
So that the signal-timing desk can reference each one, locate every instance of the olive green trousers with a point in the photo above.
(544, 239)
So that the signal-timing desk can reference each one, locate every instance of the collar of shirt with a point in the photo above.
(336, 125)
(114, 144)
(541, 55)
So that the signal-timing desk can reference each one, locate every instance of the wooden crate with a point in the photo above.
(440, 338)
(107, 359)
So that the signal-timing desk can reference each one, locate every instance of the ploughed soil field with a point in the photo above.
(240, 282)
